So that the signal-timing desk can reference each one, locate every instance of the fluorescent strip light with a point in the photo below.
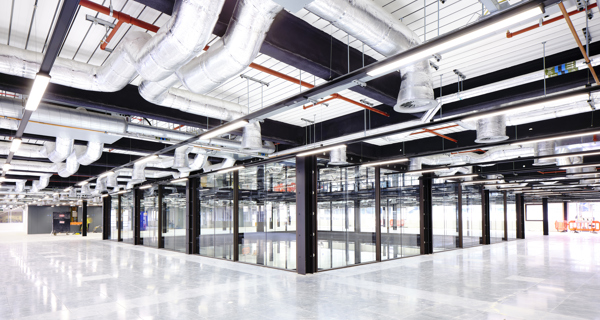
(581, 166)
(82, 183)
(372, 164)
(68, 189)
(573, 155)
(37, 91)
(230, 169)
(2, 179)
(6, 167)
(459, 176)
(224, 129)
(426, 170)
(427, 53)
(104, 195)
(16, 143)
(532, 106)
(481, 181)
(315, 151)
(106, 174)
(557, 138)
(148, 186)
(179, 180)
(121, 192)
(146, 159)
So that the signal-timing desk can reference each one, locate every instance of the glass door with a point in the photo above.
(471, 215)
(114, 218)
(127, 216)
(174, 224)
(149, 217)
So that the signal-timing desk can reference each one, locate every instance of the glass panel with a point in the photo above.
(496, 216)
(400, 221)
(444, 215)
(127, 216)
(267, 209)
(472, 215)
(114, 215)
(149, 217)
(511, 215)
(174, 223)
(346, 215)
(216, 215)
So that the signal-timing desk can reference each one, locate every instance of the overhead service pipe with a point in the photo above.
(375, 27)
(547, 22)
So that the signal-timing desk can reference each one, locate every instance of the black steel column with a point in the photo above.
(505, 238)
(189, 213)
(137, 194)
(377, 214)
(306, 203)
(425, 209)
(84, 225)
(545, 214)
(566, 211)
(520, 203)
(161, 240)
(485, 216)
(106, 217)
(236, 216)
(119, 219)
(460, 216)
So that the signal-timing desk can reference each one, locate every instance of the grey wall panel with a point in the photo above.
(40, 219)
(95, 213)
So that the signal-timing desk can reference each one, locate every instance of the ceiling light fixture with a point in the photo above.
(148, 186)
(37, 91)
(558, 156)
(459, 176)
(450, 43)
(16, 143)
(231, 169)
(82, 183)
(6, 167)
(121, 192)
(372, 164)
(106, 174)
(481, 181)
(580, 166)
(532, 106)
(179, 180)
(319, 150)
(557, 138)
(224, 129)
(426, 170)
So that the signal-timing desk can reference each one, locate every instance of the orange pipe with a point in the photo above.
(118, 15)
(111, 35)
(440, 135)
(549, 21)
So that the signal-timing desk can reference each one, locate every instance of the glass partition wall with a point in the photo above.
(346, 216)
(174, 218)
(267, 214)
(496, 216)
(114, 218)
(215, 197)
(400, 220)
(149, 217)
(444, 199)
(127, 216)
(472, 215)
(511, 216)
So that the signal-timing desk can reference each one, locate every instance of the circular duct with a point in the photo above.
(416, 93)
(491, 129)
(337, 157)
(544, 148)
(251, 138)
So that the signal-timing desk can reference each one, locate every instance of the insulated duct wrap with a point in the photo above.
(182, 157)
(40, 184)
(70, 167)
(85, 189)
(20, 185)
(544, 148)
(90, 154)
(492, 129)
(234, 52)
(181, 39)
(100, 185)
(138, 174)
(337, 156)
(371, 24)
(199, 162)
(59, 151)
(111, 180)
(251, 137)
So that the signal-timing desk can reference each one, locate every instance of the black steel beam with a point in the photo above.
(306, 234)
(237, 241)
(545, 216)
(377, 213)
(520, 203)
(67, 13)
(84, 224)
(485, 216)
(106, 218)
(426, 214)
(459, 207)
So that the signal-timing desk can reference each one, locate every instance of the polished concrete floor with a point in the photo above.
(67, 277)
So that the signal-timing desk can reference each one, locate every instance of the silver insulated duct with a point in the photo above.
(58, 151)
(252, 138)
(234, 52)
(337, 157)
(544, 148)
(70, 167)
(372, 25)
(90, 154)
(492, 129)
(181, 39)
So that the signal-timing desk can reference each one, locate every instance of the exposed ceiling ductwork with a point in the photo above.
(492, 129)
(378, 29)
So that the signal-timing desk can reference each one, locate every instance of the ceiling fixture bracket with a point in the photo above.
(460, 74)
(359, 83)
(99, 21)
(243, 76)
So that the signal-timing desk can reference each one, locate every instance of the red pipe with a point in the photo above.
(516, 33)
(111, 35)
(118, 15)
